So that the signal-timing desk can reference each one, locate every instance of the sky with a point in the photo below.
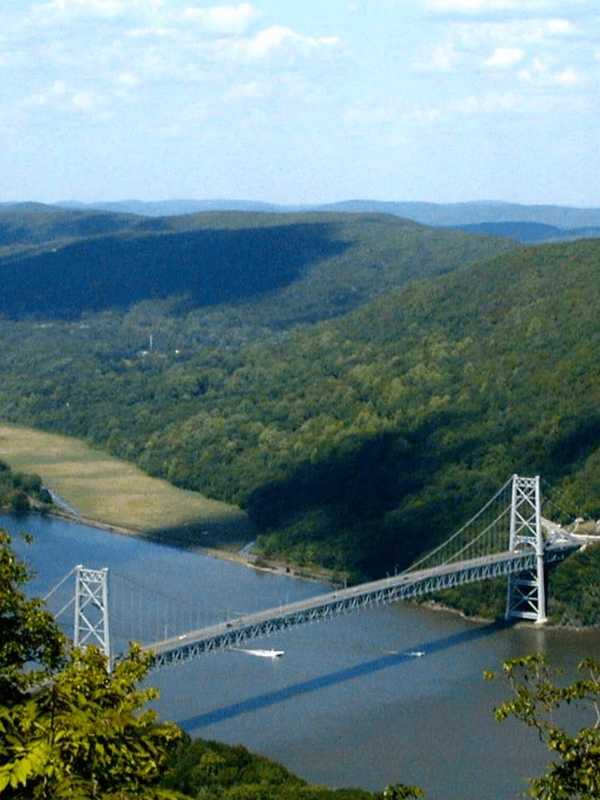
(300, 101)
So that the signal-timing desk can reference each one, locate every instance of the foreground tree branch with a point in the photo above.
(574, 774)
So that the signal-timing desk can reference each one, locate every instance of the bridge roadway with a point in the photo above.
(407, 585)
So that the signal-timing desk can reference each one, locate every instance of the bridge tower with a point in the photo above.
(91, 609)
(526, 594)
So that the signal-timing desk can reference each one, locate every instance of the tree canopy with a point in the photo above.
(69, 728)
(574, 774)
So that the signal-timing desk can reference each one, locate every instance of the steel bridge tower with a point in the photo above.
(526, 594)
(91, 609)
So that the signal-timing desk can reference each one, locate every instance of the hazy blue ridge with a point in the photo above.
(427, 213)
(529, 232)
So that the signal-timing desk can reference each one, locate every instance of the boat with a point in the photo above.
(416, 653)
(260, 653)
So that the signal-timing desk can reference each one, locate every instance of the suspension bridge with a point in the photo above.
(508, 537)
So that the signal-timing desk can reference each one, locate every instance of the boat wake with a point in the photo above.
(260, 653)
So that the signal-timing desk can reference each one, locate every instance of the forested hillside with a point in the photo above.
(354, 442)
(277, 270)
(26, 227)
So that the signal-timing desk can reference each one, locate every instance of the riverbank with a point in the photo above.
(111, 491)
(91, 487)
(190, 543)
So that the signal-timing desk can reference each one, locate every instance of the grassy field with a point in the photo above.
(114, 492)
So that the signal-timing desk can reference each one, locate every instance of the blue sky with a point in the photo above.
(301, 100)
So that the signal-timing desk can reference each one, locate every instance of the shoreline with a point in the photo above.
(432, 605)
(257, 563)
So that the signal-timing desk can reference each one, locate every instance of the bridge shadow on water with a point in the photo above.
(341, 676)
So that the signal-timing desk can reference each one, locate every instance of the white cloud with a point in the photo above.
(60, 97)
(56, 90)
(471, 105)
(128, 79)
(275, 39)
(83, 101)
(153, 32)
(504, 58)
(233, 20)
(390, 116)
(427, 115)
(516, 32)
(567, 77)
(443, 58)
(369, 115)
(504, 40)
(489, 6)
(246, 91)
(492, 103)
(540, 73)
(103, 9)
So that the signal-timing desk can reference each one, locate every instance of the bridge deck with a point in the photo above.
(407, 585)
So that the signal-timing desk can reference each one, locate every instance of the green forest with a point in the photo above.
(19, 492)
(358, 383)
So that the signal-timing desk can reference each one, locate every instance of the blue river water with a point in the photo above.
(349, 703)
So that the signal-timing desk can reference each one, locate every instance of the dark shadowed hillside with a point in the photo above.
(284, 268)
(205, 267)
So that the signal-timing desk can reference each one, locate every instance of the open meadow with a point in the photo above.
(108, 490)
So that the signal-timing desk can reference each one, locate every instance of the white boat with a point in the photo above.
(416, 653)
(260, 653)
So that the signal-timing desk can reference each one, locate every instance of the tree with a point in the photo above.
(28, 633)
(70, 728)
(575, 772)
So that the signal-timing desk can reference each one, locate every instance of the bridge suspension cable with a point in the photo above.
(57, 586)
(146, 613)
(487, 531)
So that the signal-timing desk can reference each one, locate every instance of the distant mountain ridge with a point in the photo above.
(528, 232)
(473, 213)
(167, 208)
(438, 214)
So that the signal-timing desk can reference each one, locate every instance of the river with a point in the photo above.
(347, 704)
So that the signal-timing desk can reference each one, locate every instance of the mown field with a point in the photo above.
(108, 490)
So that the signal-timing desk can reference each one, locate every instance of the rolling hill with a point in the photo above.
(36, 223)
